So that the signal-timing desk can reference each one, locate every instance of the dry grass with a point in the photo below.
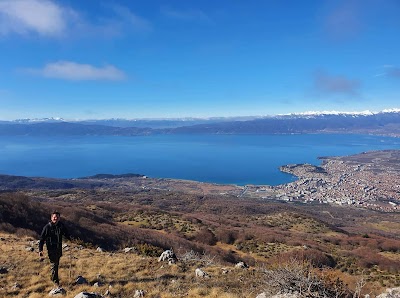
(158, 220)
(227, 233)
(124, 273)
(391, 255)
(121, 273)
(386, 226)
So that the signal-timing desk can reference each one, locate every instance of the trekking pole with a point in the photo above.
(70, 268)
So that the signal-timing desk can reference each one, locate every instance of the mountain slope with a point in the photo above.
(385, 123)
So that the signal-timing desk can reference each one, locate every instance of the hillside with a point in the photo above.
(223, 223)
(385, 123)
(123, 273)
(226, 230)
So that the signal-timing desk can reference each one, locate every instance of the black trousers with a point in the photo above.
(54, 257)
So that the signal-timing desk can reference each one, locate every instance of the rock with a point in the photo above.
(200, 273)
(225, 270)
(129, 249)
(3, 270)
(390, 293)
(16, 286)
(80, 280)
(285, 296)
(241, 265)
(108, 292)
(139, 293)
(99, 249)
(171, 261)
(264, 295)
(34, 243)
(88, 295)
(168, 255)
(57, 292)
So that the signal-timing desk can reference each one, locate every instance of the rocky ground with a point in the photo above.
(94, 273)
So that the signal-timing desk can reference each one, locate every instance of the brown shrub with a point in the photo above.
(7, 227)
(315, 257)
(299, 276)
(19, 212)
(205, 236)
(368, 258)
(391, 245)
(148, 250)
(226, 236)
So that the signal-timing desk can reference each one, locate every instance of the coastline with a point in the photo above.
(367, 180)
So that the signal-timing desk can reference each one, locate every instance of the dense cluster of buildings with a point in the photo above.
(339, 182)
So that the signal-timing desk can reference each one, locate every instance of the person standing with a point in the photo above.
(52, 235)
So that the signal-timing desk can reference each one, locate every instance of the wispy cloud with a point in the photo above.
(185, 15)
(48, 18)
(4, 92)
(393, 72)
(331, 84)
(77, 72)
(116, 21)
(129, 20)
(389, 71)
(42, 17)
(344, 21)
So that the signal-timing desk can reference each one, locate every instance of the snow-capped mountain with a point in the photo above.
(38, 120)
(185, 121)
(386, 122)
(340, 113)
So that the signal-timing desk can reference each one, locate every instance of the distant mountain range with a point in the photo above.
(385, 123)
(142, 123)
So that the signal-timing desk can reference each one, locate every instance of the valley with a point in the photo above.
(258, 225)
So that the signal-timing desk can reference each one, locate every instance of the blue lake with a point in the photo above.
(232, 159)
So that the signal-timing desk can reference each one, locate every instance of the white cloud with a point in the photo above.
(43, 17)
(126, 18)
(187, 15)
(331, 84)
(345, 21)
(78, 72)
(392, 71)
(389, 70)
(48, 18)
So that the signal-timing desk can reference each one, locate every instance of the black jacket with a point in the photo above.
(52, 234)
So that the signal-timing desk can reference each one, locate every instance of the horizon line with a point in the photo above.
(187, 118)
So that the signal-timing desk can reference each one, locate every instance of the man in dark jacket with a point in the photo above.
(52, 234)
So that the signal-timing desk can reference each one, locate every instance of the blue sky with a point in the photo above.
(165, 59)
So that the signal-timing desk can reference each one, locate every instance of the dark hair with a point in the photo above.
(55, 212)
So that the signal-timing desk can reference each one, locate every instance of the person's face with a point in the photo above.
(55, 218)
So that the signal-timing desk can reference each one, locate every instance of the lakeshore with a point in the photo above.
(368, 180)
(222, 159)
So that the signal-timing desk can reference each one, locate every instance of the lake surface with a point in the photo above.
(231, 159)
